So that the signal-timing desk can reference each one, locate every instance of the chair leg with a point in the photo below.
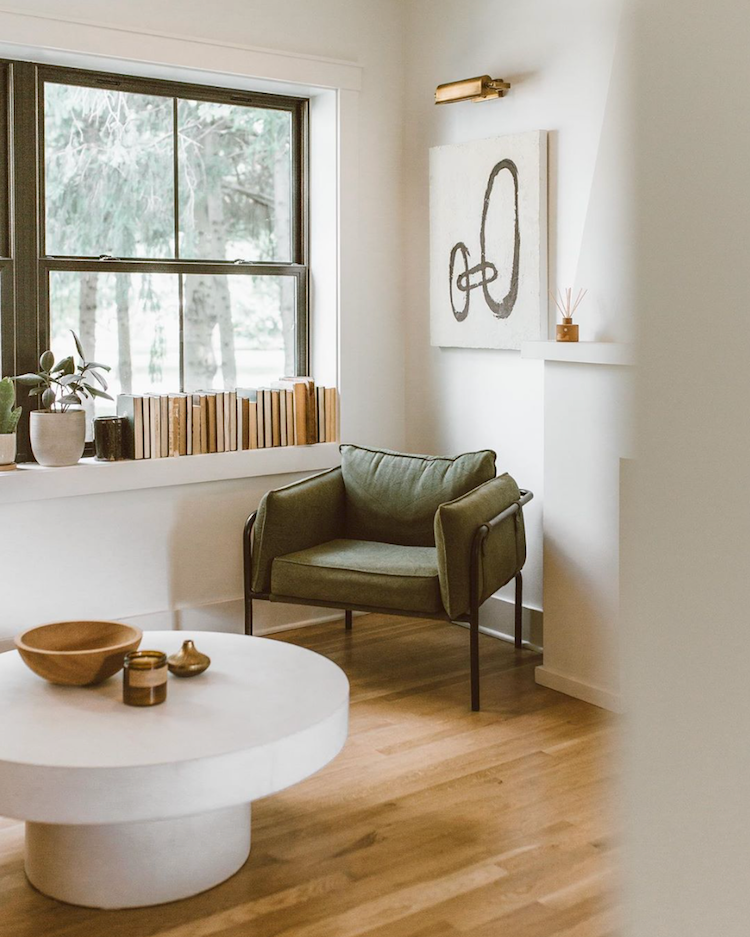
(519, 610)
(248, 615)
(348, 619)
(247, 566)
(474, 654)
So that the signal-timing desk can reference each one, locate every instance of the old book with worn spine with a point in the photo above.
(174, 426)
(243, 427)
(202, 401)
(252, 424)
(267, 419)
(154, 403)
(232, 394)
(189, 411)
(196, 428)
(219, 422)
(275, 422)
(130, 406)
(146, 429)
(301, 418)
(164, 424)
(290, 435)
(320, 399)
(331, 408)
(227, 402)
(282, 418)
(182, 405)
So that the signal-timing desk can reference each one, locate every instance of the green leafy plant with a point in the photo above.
(9, 415)
(63, 384)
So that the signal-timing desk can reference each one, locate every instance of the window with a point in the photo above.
(163, 222)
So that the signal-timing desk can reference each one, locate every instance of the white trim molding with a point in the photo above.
(104, 46)
(32, 482)
(598, 696)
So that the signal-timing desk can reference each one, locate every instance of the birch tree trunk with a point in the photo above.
(282, 230)
(124, 357)
(87, 314)
(199, 323)
(207, 298)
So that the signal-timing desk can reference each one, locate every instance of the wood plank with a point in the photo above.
(433, 822)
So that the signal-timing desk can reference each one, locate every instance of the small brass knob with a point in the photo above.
(188, 661)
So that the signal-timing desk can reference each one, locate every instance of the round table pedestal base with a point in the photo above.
(131, 865)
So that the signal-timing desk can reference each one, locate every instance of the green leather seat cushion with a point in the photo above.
(361, 572)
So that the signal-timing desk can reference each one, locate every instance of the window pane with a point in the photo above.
(129, 321)
(238, 330)
(234, 182)
(109, 174)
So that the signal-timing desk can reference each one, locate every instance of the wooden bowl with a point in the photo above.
(77, 653)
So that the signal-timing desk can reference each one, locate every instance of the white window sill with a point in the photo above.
(615, 353)
(32, 482)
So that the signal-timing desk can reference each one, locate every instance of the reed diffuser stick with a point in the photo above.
(565, 303)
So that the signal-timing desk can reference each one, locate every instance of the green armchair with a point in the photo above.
(412, 535)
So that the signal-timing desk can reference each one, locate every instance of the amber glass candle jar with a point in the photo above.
(144, 679)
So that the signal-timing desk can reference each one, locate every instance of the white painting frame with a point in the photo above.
(488, 242)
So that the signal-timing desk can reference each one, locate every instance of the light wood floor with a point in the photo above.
(433, 822)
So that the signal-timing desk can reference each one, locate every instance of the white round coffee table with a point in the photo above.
(127, 806)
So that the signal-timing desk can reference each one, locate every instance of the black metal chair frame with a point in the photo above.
(471, 618)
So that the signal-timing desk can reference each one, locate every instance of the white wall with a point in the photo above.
(151, 553)
(686, 587)
(147, 555)
(559, 59)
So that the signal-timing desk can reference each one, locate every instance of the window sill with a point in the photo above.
(33, 482)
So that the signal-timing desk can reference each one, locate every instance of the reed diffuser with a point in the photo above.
(566, 331)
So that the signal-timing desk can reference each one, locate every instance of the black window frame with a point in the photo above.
(25, 270)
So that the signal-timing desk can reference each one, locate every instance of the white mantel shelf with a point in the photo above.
(612, 353)
(32, 482)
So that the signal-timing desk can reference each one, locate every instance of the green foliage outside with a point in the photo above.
(110, 189)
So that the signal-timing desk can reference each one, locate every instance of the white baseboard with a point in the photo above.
(500, 635)
(269, 618)
(496, 620)
(497, 617)
(605, 699)
(229, 616)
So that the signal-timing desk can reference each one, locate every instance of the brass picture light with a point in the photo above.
(482, 88)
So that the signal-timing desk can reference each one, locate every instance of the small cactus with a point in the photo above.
(9, 415)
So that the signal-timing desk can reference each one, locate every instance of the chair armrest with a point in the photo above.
(490, 516)
(301, 515)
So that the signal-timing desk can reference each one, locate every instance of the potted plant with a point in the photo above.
(9, 417)
(58, 429)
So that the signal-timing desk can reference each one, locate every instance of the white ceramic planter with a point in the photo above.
(7, 449)
(58, 438)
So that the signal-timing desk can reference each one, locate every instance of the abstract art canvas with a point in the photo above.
(488, 242)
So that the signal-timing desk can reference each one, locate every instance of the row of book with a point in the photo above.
(291, 412)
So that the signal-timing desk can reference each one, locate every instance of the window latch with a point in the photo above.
(106, 257)
(239, 261)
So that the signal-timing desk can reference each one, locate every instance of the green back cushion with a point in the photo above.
(392, 497)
